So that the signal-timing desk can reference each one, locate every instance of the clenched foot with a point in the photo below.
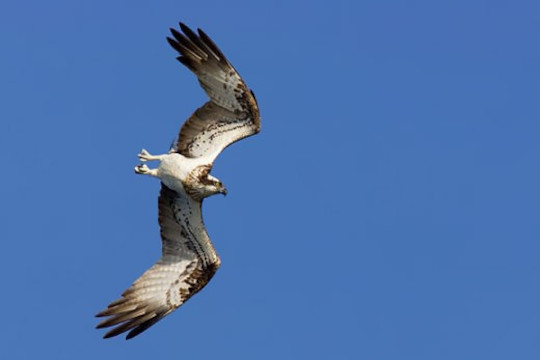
(142, 169)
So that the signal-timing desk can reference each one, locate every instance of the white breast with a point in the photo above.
(174, 169)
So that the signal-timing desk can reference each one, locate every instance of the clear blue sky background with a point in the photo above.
(388, 209)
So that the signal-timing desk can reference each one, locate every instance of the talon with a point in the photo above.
(144, 155)
(141, 169)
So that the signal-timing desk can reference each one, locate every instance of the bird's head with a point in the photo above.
(215, 186)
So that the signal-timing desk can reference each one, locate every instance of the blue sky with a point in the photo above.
(388, 209)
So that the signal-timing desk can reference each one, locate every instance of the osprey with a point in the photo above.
(189, 259)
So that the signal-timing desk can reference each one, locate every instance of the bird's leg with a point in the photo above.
(142, 169)
(146, 156)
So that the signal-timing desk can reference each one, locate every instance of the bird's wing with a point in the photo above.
(232, 112)
(187, 264)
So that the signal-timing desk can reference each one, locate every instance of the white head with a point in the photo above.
(214, 185)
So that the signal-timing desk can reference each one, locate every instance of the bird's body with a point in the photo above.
(178, 172)
(175, 168)
(189, 259)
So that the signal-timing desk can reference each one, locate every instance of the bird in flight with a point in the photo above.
(188, 259)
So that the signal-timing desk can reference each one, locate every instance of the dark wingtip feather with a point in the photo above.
(186, 62)
(109, 335)
(135, 325)
(187, 47)
(117, 330)
(194, 42)
(206, 39)
(103, 313)
(176, 34)
(100, 326)
(186, 29)
(174, 44)
(143, 327)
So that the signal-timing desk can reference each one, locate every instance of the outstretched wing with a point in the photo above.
(187, 264)
(232, 112)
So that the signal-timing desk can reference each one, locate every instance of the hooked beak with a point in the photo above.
(223, 191)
